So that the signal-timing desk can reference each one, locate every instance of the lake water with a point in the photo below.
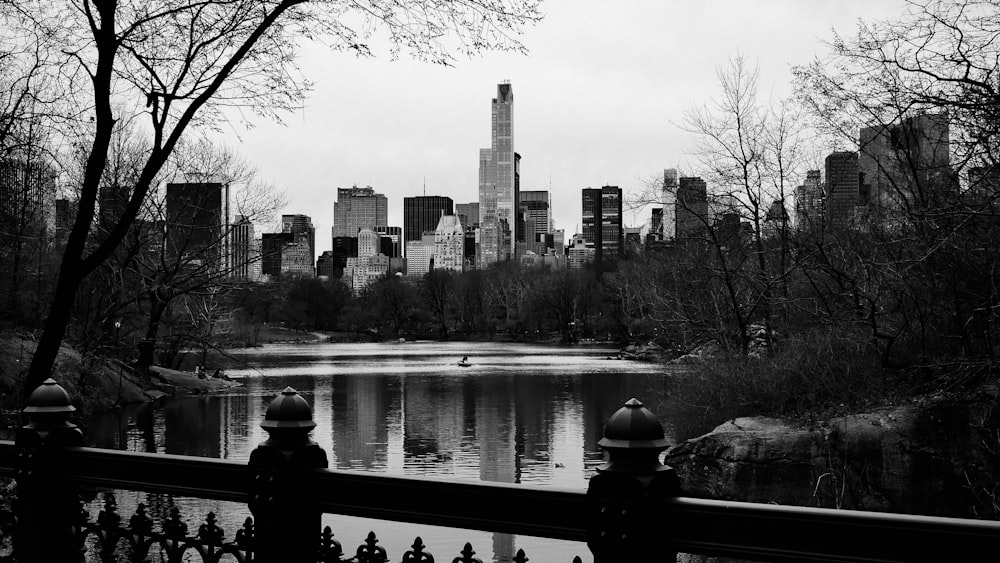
(520, 414)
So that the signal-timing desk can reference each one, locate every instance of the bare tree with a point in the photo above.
(178, 63)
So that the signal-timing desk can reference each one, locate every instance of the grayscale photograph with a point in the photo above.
(498, 281)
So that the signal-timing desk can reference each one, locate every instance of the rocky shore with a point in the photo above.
(936, 455)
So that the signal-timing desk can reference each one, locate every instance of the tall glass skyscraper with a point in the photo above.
(497, 171)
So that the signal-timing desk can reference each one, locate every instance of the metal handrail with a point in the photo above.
(709, 527)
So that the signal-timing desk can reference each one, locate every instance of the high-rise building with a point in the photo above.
(579, 253)
(602, 220)
(297, 258)
(449, 244)
(690, 208)
(370, 265)
(842, 187)
(422, 213)
(906, 164)
(392, 241)
(468, 214)
(27, 201)
(271, 246)
(809, 200)
(420, 255)
(301, 225)
(667, 229)
(537, 208)
(358, 208)
(242, 246)
(498, 175)
(197, 221)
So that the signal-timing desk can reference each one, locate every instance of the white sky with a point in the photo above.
(598, 100)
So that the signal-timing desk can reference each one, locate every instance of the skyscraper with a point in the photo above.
(497, 176)
(299, 226)
(691, 208)
(422, 213)
(906, 164)
(358, 208)
(668, 196)
(602, 220)
(468, 214)
(809, 200)
(842, 187)
(536, 206)
(241, 235)
(197, 220)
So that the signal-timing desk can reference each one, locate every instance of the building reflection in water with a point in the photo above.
(503, 427)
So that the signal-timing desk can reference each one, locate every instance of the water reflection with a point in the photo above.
(520, 415)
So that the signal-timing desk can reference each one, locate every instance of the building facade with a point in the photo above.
(690, 208)
(301, 225)
(843, 187)
(498, 171)
(420, 255)
(422, 213)
(197, 222)
(667, 227)
(449, 244)
(906, 164)
(809, 201)
(602, 220)
(358, 208)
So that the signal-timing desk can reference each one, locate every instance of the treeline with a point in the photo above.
(505, 301)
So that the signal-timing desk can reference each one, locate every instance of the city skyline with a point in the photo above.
(601, 94)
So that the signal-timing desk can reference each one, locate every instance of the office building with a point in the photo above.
(498, 174)
(27, 201)
(422, 213)
(468, 214)
(242, 246)
(579, 253)
(301, 225)
(271, 246)
(420, 255)
(843, 187)
(602, 220)
(690, 208)
(197, 222)
(906, 165)
(391, 241)
(809, 200)
(536, 208)
(358, 208)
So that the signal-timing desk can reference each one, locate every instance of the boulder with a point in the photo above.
(938, 456)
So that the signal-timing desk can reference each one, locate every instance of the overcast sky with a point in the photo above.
(597, 101)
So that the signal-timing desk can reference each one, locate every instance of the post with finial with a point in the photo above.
(49, 513)
(627, 495)
(287, 524)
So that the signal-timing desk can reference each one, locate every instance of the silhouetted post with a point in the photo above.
(49, 513)
(287, 526)
(627, 494)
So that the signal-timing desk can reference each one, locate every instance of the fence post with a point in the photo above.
(287, 524)
(628, 522)
(48, 509)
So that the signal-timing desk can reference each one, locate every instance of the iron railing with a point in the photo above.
(633, 510)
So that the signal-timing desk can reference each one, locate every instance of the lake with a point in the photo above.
(519, 414)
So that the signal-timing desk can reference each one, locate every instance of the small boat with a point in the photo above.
(464, 362)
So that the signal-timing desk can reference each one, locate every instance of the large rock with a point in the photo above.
(937, 456)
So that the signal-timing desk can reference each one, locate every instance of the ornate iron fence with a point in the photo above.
(632, 511)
